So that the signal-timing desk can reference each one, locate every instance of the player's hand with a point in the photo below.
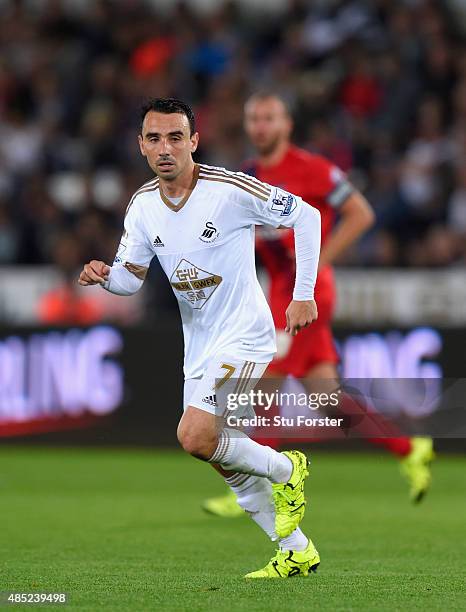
(94, 273)
(300, 315)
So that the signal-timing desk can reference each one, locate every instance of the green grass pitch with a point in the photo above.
(122, 530)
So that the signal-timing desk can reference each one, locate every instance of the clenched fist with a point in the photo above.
(299, 315)
(94, 273)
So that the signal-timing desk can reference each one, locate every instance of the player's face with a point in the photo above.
(167, 144)
(267, 124)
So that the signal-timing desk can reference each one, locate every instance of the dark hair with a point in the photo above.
(167, 106)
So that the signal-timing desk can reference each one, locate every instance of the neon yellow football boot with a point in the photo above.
(224, 506)
(289, 563)
(289, 498)
(415, 467)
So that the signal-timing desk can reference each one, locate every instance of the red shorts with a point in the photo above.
(312, 345)
(299, 354)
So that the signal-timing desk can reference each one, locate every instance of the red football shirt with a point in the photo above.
(318, 182)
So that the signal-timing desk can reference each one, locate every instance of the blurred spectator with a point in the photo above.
(377, 86)
(9, 237)
(66, 304)
(361, 94)
(457, 203)
(325, 141)
(426, 161)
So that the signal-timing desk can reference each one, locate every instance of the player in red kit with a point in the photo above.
(311, 355)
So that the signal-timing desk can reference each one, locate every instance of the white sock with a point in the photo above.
(238, 453)
(254, 495)
(295, 541)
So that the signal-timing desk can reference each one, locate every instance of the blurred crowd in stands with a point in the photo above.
(377, 86)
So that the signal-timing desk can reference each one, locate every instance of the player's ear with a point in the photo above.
(194, 141)
(141, 145)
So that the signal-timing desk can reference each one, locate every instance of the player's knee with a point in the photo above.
(198, 443)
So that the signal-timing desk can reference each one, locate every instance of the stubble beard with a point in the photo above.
(267, 148)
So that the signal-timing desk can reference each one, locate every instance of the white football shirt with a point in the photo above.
(205, 245)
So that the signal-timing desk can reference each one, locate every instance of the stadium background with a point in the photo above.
(379, 87)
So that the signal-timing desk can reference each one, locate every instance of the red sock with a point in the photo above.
(372, 425)
(365, 423)
(396, 446)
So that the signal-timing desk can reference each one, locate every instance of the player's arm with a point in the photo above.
(131, 263)
(331, 186)
(282, 209)
(302, 310)
(356, 217)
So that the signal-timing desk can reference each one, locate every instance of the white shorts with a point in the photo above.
(223, 376)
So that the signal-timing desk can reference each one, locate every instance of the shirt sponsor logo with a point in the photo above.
(283, 202)
(210, 233)
(193, 284)
(158, 242)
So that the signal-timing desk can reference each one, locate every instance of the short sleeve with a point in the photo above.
(330, 184)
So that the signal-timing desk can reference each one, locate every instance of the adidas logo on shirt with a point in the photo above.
(210, 399)
(158, 242)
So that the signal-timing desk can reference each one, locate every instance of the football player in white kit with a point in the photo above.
(199, 220)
